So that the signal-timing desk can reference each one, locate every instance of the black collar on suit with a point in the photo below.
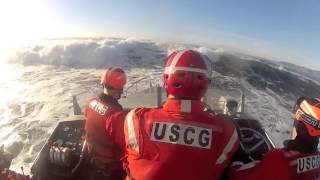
(301, 145)
(109, 100)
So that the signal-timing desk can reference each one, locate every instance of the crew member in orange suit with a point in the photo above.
(182, 139)
(104, 127)
(299, 159)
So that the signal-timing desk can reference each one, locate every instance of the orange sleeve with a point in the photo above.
(274, 166)
(233, 141)
(114, 127)
(132, 129)
(231, 144)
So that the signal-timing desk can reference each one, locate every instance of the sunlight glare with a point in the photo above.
(23, 22)
(10, 89)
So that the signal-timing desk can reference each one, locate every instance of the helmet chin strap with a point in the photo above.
(170, 96)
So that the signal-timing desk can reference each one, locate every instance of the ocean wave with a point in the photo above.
(100, 53)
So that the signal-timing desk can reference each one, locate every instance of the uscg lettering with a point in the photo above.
(181, 134)
(308, 163)
(98, 107)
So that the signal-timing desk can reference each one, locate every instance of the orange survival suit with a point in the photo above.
(179, 141)
(104, 132)
(300, 157)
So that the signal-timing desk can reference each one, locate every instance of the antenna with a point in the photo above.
(22, 170)
(241, 104)
(76, 106)
(159, 96)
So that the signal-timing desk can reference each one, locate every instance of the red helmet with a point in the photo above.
(114, 77)
(308, 112)
(186, 75)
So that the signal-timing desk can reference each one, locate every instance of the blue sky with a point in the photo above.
(284, 29)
